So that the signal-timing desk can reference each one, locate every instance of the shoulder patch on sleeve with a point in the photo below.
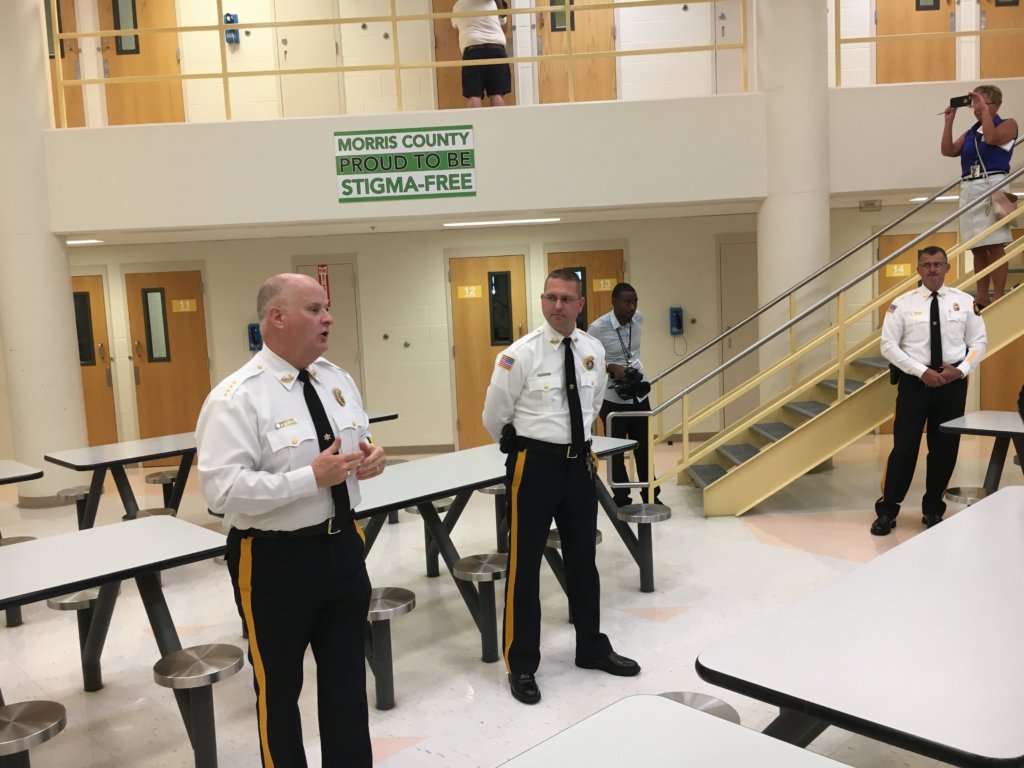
(506, 362)
(977, 309)
(892, 308)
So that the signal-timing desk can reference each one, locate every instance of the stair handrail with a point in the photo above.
(825, 300)
(822, 302)
(822, 270)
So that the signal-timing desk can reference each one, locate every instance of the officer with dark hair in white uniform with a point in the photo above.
(547, 386)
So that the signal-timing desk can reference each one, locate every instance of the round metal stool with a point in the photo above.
(484, 570)
(27, 724)
(385, 604)
(166, 479)
(965, 494)
(194, 670)
(198, 666)
(76, 601)
(441, 505)
(705, 703)
(78, 494)
(644, 515)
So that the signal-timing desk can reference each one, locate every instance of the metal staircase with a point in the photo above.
(815, 399)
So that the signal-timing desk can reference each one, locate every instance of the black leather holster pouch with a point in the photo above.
(894, 374)
(507, 443)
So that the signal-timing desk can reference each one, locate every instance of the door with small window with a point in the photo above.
(167, 326)
(139, 55)
(488, 295)
(94, 358)
(593, 79)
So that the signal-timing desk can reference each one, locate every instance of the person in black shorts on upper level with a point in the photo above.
(483, 37)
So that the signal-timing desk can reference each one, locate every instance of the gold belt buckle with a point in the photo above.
(330, 527)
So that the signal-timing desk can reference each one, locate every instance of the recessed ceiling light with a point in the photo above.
(505, 222)
(84, 242)
(939, 199)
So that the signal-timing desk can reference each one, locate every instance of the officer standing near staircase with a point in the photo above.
(933, 336)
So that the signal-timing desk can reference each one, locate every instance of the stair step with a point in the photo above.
(705, 474)
(772, 430)
(737, 453)
(851, 385)
(808, 408)
(873, 362)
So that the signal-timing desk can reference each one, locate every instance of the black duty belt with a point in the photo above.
(327, 527)
(565, 450)
(481, 46)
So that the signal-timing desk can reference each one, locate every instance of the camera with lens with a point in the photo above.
(632, 385)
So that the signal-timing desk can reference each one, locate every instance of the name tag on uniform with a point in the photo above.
(285, 423)
(546, 373)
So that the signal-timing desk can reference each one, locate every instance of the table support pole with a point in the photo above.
(795, 727)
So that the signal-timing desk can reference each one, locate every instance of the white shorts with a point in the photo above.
(980, 217)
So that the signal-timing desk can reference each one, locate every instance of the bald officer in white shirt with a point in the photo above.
(933, 366)
(283, 443)
(550, 476)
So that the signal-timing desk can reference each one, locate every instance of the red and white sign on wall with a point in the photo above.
(325, 280)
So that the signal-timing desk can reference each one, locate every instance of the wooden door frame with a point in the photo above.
(532, 305)
(352, 260)
(130, 406)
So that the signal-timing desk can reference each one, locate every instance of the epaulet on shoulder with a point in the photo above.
(229, 386)
(328, 364)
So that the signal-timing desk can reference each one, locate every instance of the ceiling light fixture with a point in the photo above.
(505, 222)
(939, 199)
(83, 242)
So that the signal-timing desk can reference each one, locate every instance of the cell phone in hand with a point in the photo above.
(960, 101)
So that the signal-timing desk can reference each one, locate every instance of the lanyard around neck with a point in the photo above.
(629, 341)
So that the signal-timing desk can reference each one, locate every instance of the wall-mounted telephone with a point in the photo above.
(231, 36)
(255, 337)
(675, 321)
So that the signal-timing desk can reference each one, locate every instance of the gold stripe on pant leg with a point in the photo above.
(245, 592)
(513, 526)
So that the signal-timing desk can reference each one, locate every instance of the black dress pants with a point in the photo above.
(917, 405)
(542, 487)
(632, 428)
(293, 593)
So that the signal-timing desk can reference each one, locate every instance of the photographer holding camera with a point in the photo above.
(619, 332)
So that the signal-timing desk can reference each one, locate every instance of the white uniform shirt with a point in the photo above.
(257, 443)
(528, 386)
(621, 346)
(906, 332)
(478, 30)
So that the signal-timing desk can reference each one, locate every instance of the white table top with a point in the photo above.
(921, 647)
(997, 423)
(16, 472)
(131, 451)
(36, 570)
(404, 485)
(655, 732)
(126, 452)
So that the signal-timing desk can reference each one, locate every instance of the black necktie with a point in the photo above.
(325, 436)
(936, 333)
(573, 394)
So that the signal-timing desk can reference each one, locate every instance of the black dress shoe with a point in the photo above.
(613, 664)
(883, 525)
(930, 520)
(524, 687)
